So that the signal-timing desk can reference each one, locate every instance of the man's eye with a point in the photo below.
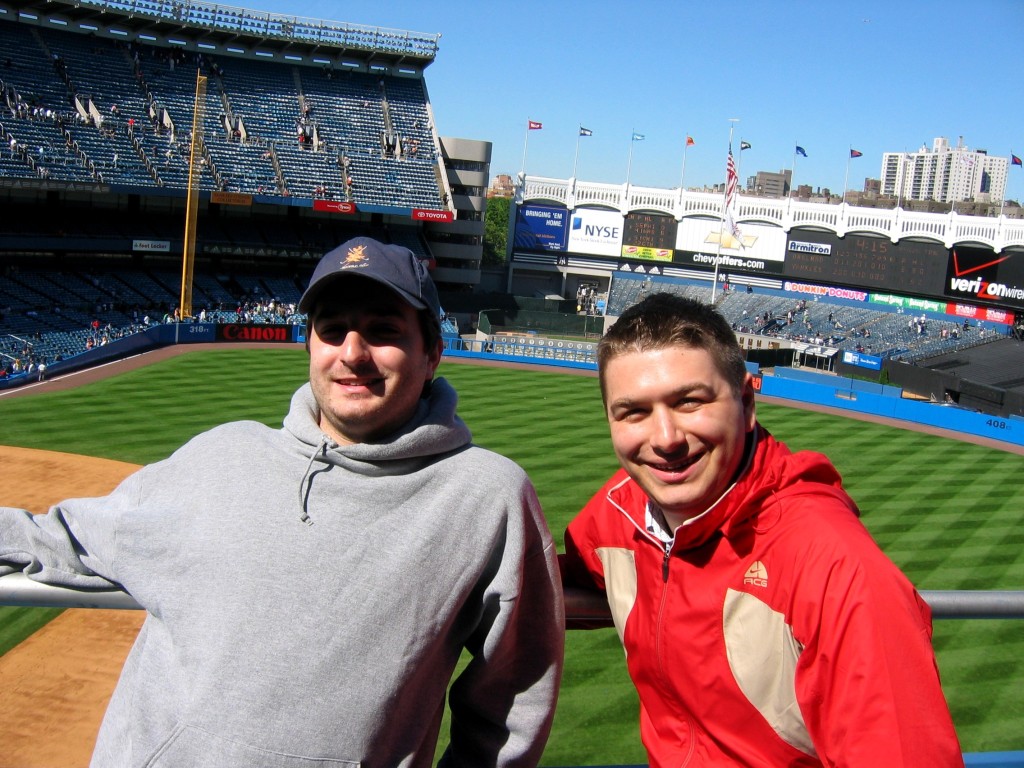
(630, 414)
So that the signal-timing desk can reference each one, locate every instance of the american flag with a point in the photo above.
(731, 181)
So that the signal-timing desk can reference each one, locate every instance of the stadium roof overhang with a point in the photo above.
(231, 30)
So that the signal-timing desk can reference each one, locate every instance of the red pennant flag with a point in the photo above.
(689, 141)
(534, 125)
(1014, 160)
(855, 153)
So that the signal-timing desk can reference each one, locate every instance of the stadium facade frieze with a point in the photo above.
(946, 259)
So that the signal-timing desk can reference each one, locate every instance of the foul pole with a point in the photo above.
(192, 197)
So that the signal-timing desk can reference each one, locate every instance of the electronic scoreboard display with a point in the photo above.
(867, 262)
(649, 236)
(648, 230)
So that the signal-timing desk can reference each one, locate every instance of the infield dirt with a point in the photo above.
(57, 683)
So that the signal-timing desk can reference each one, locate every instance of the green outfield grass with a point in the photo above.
(947, 512)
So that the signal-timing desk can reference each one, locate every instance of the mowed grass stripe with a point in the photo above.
(945, 511)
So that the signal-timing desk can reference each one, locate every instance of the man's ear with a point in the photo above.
(434, 356)
(747, 398)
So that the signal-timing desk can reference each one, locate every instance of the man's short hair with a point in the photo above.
(665, 320)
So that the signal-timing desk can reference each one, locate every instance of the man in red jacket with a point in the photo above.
(762, 624)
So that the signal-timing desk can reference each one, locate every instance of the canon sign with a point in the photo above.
(234, 332)
(423, 214)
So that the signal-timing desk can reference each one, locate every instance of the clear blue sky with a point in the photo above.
(877, 76)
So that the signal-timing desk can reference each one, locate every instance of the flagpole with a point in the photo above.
(526, 141)
(629, 163)
(739, 164)
(682, 173)
(725, 199)
(846, 181)
(792, 181)
(576, 158)
(902, 176)
(1002, 199)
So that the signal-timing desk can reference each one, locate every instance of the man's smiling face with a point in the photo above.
(368, 362)
(677, 426)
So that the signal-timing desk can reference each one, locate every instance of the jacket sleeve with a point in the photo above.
(503, 702)
(580, 565)
(866, 681)
(72, 545)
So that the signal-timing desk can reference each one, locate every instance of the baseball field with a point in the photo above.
(947, 511)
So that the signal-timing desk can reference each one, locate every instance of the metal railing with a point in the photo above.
(584, 609)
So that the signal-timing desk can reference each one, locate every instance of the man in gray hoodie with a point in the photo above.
(309, 590)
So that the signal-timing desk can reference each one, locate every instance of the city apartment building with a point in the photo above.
(944, 174)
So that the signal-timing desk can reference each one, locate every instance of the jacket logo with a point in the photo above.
(756, 574)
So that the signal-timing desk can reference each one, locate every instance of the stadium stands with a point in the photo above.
(839, 324)
(88, 109)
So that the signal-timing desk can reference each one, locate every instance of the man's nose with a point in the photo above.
(354, 348)
(667, 432)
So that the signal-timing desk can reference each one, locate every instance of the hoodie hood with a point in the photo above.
(434, 429)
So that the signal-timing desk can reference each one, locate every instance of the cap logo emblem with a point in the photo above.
(355, 255)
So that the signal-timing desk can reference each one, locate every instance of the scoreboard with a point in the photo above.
(649, 236)
(868, 262)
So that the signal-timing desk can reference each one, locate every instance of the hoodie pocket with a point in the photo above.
(193, 747)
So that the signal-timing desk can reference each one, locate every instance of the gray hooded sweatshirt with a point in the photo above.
(307, 603)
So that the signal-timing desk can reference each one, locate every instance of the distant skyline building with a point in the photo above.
(944, 174)
(769, 184)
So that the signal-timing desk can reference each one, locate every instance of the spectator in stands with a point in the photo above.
(762, 624)
(309, 589)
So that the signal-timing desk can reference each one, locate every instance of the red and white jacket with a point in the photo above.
(771, 630)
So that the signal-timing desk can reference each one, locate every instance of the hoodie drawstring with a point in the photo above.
(304, 497)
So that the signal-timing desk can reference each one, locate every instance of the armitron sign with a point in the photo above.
(423, 214)
(244, 333)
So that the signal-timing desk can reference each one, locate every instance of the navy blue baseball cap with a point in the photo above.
(394, 266)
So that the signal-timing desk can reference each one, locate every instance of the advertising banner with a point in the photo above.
(861, 360)
(982, 314)
(334, 206)
(240, 332)
(980, 274)
(541, 228)
(152, 246)
(230, 198)
(424, 214)
(596, 232)
(759, 248)
(908, 303)
(826, 290)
